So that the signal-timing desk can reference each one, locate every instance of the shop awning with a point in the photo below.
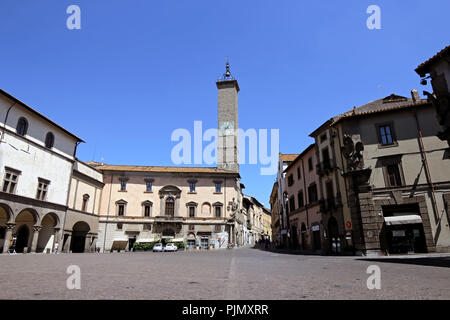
(406, 219)
(177, 240)
(146, 240)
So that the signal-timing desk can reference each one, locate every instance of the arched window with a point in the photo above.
(170, 207)
(85, 202)
(22, 126)
(49, 140)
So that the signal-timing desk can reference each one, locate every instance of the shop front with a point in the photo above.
(405, 234)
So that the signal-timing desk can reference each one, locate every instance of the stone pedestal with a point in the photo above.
(366, 226)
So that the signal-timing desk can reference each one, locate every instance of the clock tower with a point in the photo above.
(227, 114)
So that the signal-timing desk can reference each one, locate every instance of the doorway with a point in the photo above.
(22, 238)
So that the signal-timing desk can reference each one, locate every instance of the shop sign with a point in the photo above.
(398, 233)
(315, 228)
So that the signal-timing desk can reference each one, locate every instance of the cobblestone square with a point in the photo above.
(242, 273)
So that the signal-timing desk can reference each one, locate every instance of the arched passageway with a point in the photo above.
(25, 221)
(47, 233)
(79, 233)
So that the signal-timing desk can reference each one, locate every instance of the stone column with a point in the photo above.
(67, 243)
(9, 230)
(87, 243)
(34, 243)
(94, 244)
(55, 239)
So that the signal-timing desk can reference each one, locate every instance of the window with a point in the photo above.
(121, 210)
(310, 164)
(10, 181)
(85, 202)
(147, 211)
(22, 126)
(298, 173)
(386, 135)
(147, 226)
(312, 193)
(123, 186)
(218, 187)
(119, 226)
(330, 193)
(192, 187)
(42, 189)
(301, 201)
(191, 227)
(394, 177)
(148, 186)
(292, 203)
(49, 140)
(191, 212)
(290, 180)
(217, 228)
(323, 137)
(170, 207)
(218, 211)
(326, 157)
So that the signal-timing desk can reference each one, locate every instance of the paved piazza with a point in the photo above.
(242, 273)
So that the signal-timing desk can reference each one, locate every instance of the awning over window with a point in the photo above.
(405, 219)
(146, 240)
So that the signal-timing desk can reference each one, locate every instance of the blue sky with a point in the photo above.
(139, 69)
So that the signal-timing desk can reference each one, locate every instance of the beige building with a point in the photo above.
(384, 177)
(267, 224)
(275, 216)
(302, 189)
(150, 204)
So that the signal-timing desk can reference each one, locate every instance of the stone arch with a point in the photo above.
(25, 223)
(47, 234)
(169, 190)
(79, 233)
(6, 214)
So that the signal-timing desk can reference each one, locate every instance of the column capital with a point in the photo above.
(37, 228)
(10, 226)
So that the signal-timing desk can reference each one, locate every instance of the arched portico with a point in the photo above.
(5, 227)
(78, 242)
(26, 231)
(48, 235)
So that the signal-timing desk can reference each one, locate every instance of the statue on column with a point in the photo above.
(353, 153)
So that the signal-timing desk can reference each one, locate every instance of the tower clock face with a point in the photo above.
(226, 128)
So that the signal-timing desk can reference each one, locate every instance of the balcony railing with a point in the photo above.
(325, 167)
(168, 219)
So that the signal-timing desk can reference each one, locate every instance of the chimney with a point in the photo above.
(415, 95)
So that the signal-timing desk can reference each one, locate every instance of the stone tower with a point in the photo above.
(227, 144)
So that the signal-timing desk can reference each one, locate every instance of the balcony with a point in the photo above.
(170, 219)
(325, 167)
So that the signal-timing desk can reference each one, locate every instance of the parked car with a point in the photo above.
(158, 247)
(170, 247)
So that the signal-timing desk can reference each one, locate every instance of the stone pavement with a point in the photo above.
(242, 273)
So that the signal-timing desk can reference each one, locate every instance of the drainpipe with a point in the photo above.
(6, 119)
(304, 192)
(427, 172)
(107, 214)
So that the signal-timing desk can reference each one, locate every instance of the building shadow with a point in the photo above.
(443, 262)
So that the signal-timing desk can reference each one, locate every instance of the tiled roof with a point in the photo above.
(163, 169)
(422, 68)
(288, 157)
(388, 103)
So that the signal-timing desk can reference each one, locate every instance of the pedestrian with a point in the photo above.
(56, 247)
